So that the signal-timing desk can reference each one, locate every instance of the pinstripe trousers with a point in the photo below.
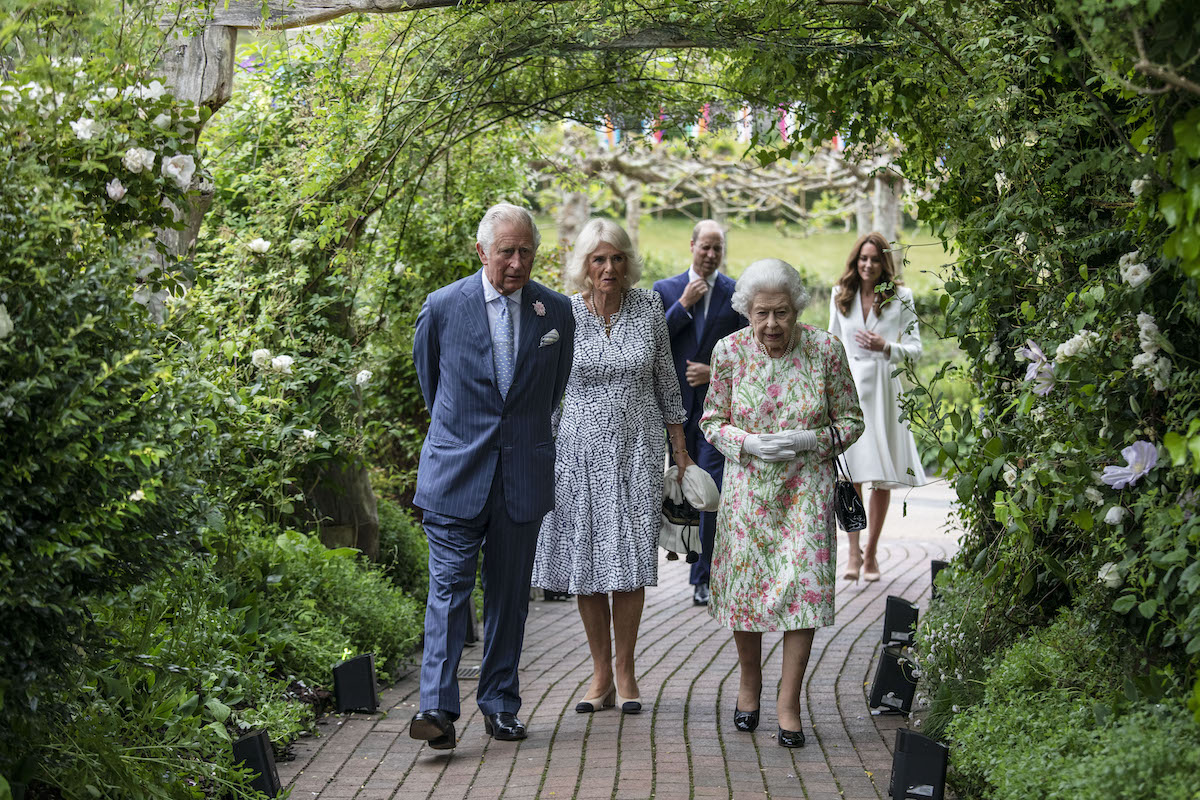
(454, 547)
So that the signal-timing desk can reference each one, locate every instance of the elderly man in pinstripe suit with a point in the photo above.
(492, 353)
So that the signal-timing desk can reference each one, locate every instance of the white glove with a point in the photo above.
(768, 447)
(801, 440)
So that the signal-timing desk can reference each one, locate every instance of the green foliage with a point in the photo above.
(1052, 722)
(404, 549)
(315, 606)
(98, 489)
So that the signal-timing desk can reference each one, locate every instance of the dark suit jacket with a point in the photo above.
(472, 427)
(720, 321)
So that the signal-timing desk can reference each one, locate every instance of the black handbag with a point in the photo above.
(847, 505)
(684, 534)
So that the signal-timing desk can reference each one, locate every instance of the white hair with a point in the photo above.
(507, 213)
(593, 233)
(769, 275)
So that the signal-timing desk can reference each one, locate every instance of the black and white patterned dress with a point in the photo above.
(602, 535)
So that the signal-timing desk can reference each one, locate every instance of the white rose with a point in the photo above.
(1115, 515)
(138, 495)
(1129, 258)
(1080, 344)
(162, 121)
(138, 158)
(180, 169)
(1031, 138)
(152, 92)
(993, 352)
(259, 246)
(1110, 576)
(1138, 186)
(6, 323)
(115, 189)
(398, 268)
(1002, 182)
(261, 357)
(299, 245)
(1135, 275)
(308, 433)
(1010, 474)
(85, 128)
(1162, 374)
(362, 377)
(282, 364)
(1144, 363)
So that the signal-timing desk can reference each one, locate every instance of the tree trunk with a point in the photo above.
(340, 493)
(573, 213)
(633, 212)
(862, 207)
(886, 204)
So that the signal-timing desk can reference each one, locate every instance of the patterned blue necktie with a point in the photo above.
(502, 348)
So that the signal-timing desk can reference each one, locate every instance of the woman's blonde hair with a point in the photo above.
(847, 286)
(597, 230)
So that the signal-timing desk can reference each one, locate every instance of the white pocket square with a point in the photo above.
(549, 339)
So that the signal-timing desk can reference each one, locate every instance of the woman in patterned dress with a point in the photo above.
(777, 388)
(875, 318)
(602, 535)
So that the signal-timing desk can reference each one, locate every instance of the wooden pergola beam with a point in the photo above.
(283, 14)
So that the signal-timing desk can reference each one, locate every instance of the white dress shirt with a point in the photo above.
(711, 280)
(491, 301)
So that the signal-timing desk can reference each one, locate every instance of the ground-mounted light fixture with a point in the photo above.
(894, 684)
(935, 566)
(354, 684)
(918, 767)
(254, 752)
(899, 621)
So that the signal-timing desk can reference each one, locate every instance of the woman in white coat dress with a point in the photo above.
(875, 319)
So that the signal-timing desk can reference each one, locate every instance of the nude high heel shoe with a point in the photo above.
(852, 574)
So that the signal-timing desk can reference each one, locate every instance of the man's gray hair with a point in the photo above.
(707, 223)
(769, 275)
(506, 213)
(593, 233)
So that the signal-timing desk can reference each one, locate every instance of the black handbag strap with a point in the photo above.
(839, 454)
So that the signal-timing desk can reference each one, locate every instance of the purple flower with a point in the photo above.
(1031, 352)
(1140, 457)
(1043, 378)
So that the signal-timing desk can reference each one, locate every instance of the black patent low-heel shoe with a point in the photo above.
(790, 738)
(745, 721)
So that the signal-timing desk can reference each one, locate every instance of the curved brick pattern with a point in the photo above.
(684, 744)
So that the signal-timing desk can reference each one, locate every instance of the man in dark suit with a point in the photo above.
(492, 353)
(698, 316)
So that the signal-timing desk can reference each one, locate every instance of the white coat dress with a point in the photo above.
(885, 455)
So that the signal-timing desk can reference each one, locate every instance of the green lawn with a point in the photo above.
(821, 256)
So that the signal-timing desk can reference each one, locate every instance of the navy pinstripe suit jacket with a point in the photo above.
(471, 426)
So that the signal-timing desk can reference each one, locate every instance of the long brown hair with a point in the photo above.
(846, 289)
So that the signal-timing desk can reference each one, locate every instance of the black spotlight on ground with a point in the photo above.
(918, 767)
(935, 566)
(354, 684)
(894, 684)
(899, 621)
(254, 752)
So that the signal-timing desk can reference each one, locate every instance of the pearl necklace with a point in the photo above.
(762, 348)
(612, 318)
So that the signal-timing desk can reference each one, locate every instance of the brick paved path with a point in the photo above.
(684, 745)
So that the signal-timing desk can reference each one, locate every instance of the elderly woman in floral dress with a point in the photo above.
(779, 390)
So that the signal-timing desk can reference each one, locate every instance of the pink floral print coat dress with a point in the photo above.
(776, 542)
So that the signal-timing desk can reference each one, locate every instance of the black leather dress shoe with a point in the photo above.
(700, 594)
(790, 738)
(435, 727)
(745, 721)
(504, 725)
